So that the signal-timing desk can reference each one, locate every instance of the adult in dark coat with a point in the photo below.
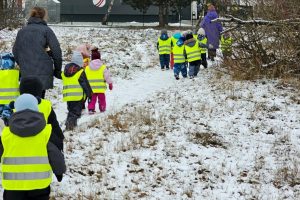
(212, 30)
(37, 50)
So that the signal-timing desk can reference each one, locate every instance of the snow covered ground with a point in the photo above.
(207, 138)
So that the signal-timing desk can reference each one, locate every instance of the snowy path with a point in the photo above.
(141, 86)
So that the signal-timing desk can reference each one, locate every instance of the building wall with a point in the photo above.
(84, 10)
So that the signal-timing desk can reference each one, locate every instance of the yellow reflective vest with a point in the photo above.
(178, 53)
(25, 163)
(204, 41)
(193, 53)
(9, 86)
(174, 41)
(164, 46)
(226, 44)
(45, 107)
(96, 79)
(72, 90)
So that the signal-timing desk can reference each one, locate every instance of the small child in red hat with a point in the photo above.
(98, 76)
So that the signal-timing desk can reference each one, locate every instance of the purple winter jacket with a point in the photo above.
(212, 29)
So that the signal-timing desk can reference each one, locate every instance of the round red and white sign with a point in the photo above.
(99, 3)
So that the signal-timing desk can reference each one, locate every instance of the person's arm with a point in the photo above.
(85, 85)
(15, 49)
(1, 148)
(56, 160)
(57, 135)
(55, 49)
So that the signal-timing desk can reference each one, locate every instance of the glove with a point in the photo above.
(210, 46)
(57, 74)
(110, 86)
(59, 177)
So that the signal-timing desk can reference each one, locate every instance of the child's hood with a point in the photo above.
(96, 64)
(27, 123)
(71, 69)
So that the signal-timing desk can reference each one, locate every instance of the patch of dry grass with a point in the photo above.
(207, 139)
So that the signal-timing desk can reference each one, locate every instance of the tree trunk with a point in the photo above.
(105, 18)
(161, 15)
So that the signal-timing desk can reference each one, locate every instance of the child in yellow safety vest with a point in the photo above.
(226, 45)
(164, 47)
(9, 87)
(75, 88)
(98, 76)
(202, 39)
(28, 157)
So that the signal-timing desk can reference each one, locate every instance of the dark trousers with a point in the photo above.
(74, 108)
(164, 61)
(212, 53)
(203, 60)
(180, 67)
(40, 194)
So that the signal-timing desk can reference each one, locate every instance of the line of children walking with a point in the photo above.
(187, 49)
(31, 144)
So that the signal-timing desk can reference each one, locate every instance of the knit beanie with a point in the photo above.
(26, 101)
(77, 58)
(189, 36)
(31, 85)
(201, 31)
(95, 54)
(164, 31)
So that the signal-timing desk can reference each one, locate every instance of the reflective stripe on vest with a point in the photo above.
(25, 160)
(25, 163)
(193, 53)
(45, 107)
(96, 79)
(9, 87)
(203, 49)
(27, 175)
(178, 54)
(72, 90)
(164, 46)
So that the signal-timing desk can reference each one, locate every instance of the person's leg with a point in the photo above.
(102, 102)
(203, 60)
(74, 108)
(92, 103)
(14, 195)
(184, 70)
(162, 61)
(197, 67)
(191, 70)
(40, 194)
(176, 70)
(167, 61)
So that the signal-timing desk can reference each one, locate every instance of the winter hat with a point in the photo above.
(164, 31)
(31, 85)
(77, 58)
(177, 35)
(201, 31)
(95, 54)
(26, 101)
(7, 61)
(189, 36)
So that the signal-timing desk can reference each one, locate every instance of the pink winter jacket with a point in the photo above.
(96, 64)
